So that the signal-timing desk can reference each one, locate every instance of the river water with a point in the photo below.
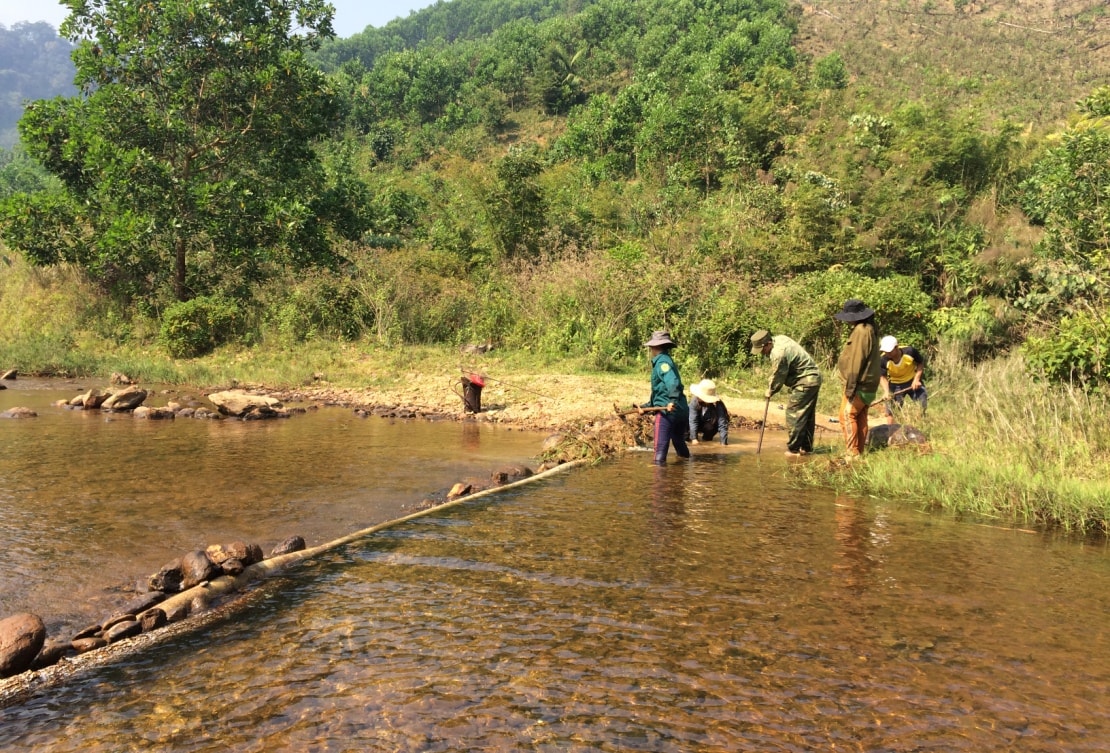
(704, 606)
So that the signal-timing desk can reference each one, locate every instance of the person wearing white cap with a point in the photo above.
(901, 370)
(708, 414)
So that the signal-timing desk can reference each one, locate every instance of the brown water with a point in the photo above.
(705, 606)
(92, 502)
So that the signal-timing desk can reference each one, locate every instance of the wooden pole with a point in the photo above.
(763, 426)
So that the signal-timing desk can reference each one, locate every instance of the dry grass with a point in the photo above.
(1021, 60)
(1005, 447)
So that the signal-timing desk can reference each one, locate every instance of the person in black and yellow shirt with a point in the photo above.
(901, 370)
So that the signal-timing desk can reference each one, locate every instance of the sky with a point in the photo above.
(351, 16)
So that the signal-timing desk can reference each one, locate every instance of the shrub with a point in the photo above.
(194, 328)
(321, 304)
(803, 308)
(977, 330)
(1078, 351)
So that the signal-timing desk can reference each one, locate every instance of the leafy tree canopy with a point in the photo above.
(188, 160)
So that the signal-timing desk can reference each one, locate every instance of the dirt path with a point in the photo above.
(546, 402)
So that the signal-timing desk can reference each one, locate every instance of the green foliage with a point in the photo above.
(719, 328)
(830, 72)
(319, 305)
(1067, 191)
(21, 174)
(979, 330)
(557, 82)
(185, 148)
(43, 225)
(196, 327)
(516, 207)
(1075, 351)
(1067, 188)
(803, 308)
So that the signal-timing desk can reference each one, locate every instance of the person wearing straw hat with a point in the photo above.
(901, 369)
(858, 367)
(708, 414)
(792, 367)
(668, 397)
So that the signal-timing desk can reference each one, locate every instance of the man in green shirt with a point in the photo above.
(792, 367)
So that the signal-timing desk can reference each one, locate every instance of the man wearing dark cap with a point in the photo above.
(792, 367)
(667, 393)
(859, 369)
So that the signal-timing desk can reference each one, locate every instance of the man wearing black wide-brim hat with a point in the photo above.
(859, 369)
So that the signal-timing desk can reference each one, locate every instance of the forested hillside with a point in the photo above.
(34, 64)
(566, 175)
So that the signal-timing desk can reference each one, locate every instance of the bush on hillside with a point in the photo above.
(803, 308)
(1077, 352)
(196, 327)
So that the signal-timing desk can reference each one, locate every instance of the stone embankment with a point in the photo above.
(190, 585)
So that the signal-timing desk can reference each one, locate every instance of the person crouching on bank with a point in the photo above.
(901, 371)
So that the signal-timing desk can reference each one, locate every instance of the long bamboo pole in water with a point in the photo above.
(16, 689)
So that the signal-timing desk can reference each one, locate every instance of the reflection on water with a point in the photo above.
(91, 502)
(702, 606)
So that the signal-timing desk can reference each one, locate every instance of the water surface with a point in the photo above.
(92, 502)
(704, 606)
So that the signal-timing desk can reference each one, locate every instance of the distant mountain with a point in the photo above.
(34, 64)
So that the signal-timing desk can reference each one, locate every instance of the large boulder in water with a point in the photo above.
(91, 400)
(510, 473)
(126, 399)
(18, 413)
(21, 639)
(197, 568)
(241, 404)
(290, 545)
(169, 578)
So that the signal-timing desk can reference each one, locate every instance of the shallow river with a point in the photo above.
(705, 606)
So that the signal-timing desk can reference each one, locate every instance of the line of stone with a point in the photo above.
(17, 689)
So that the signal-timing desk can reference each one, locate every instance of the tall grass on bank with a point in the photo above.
(1003, 446)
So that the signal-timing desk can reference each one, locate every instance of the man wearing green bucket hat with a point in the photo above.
(792, 367)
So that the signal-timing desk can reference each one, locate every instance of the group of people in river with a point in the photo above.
(867, 365)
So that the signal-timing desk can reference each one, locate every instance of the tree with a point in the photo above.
(1068, 192)
(516, 207)
(187, 160)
